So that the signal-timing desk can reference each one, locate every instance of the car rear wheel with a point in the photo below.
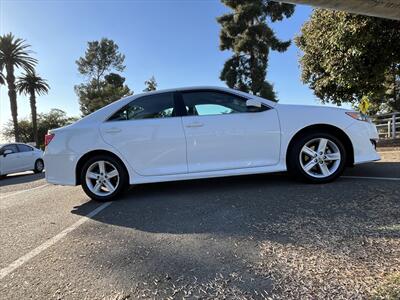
(103, 178)
(317, 158)
(39, 166)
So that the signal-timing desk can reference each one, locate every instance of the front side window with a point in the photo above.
(11, 147)
(24, 148)
(147, 107)
(203, 103)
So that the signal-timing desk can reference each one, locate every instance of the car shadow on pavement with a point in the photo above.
(270, 225)
(232, 205)
(20, 178)
(375, 169)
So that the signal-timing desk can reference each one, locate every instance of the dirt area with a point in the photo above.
(336, 255)
(389, 150)
(389, 143)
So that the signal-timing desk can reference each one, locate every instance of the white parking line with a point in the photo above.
(23, 191)
(374, 178)
(22, 260)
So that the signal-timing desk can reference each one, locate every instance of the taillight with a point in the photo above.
(47, 138)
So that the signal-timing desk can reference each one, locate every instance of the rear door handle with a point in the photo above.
(195, 124)
(113, 130)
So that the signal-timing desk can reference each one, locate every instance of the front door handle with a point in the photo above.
(195, 124)
(113, 130)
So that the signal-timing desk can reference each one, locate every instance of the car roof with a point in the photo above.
(15, 143)
(191, 88)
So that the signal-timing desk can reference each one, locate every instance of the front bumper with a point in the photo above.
(363, 136)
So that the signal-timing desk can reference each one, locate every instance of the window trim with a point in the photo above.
(12, 144)
(19, 149)
(179, 105)
(182, 103)
(139, 98)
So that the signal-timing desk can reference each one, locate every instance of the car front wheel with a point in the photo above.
(317, 158)
(103, 178)
(39, 166)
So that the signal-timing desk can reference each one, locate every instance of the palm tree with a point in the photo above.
(2, 77)
(14, 53)
(31, 84)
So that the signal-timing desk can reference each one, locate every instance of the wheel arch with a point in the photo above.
(326, 128)
(38, 158)
(86, 156)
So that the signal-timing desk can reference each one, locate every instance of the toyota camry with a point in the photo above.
(204, 132)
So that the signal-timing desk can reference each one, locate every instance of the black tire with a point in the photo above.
(294, 164)
(121, 186)
(39, 166)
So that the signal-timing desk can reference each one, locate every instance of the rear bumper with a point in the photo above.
(361, 135)
(60, 169)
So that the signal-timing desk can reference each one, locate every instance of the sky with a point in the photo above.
(176, 41)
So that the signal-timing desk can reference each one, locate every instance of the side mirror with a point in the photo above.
(6, 152)
(253, 102)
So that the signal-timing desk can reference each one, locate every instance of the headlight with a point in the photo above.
(358, 116)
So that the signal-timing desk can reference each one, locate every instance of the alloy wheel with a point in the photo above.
(102, 178)
(320, 157)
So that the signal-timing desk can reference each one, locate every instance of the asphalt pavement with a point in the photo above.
(159, 240)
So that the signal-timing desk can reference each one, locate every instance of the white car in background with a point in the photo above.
(204, 132)
(18, 157)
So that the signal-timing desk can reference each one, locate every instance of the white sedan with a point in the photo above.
(204, 132)
(18, 157)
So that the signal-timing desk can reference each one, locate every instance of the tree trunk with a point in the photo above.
(32, 100)
(252, 65)
(13, 99)
(396, 92)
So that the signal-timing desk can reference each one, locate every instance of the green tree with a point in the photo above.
(14, 53)
(103, 86)
(101, 57)
(24, 127)
(115, 80)
(348, 56)
(93, 97)
(247, 34)
(31, 84)
(151, 84)
(54, 119)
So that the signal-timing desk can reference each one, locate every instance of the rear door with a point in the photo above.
(223, 133)
(148, 133)
(26, 156)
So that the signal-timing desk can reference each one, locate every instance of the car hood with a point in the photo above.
(301, 107)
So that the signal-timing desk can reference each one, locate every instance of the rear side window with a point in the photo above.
(24, 148)
(11, 147)
(203, 103)
(147, 107)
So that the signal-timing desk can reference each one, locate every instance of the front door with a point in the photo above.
(223, 133)
(148, 133)
(11, 162)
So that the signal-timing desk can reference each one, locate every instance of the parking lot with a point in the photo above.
(243, 237)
